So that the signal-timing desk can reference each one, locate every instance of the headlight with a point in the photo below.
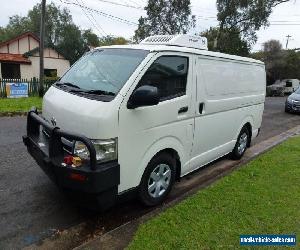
(290, 100)
(106, 150)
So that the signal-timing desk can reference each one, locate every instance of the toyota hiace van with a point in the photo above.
(139, 117)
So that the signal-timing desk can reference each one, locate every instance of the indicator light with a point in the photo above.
(77, 162)
(68, 159)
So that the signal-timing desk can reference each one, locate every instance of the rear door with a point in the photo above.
(144, 131)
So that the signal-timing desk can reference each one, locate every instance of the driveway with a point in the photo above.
(31, 207)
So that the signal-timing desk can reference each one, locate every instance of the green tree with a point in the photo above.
(280, 64)
(291, 66)
(71, 44)
(16, 25)
(229, 43)
(90, 38)
(245, 17)
(165, 17)
(57, 20)
(110, 40)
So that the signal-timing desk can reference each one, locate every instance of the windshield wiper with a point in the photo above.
(77, 89)
(99, 92)
(67, 84)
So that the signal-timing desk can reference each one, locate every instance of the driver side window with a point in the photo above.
(169, 75)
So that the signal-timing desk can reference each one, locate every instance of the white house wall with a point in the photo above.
(3, 49)
(20, 46)
(29, 71)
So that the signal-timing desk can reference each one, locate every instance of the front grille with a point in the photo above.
(67, 145)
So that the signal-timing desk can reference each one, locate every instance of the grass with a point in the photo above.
(19, 104)
(262, 197)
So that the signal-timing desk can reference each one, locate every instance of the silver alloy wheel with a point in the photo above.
(242, 143)
(159, 180)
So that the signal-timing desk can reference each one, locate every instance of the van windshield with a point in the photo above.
(102, 71)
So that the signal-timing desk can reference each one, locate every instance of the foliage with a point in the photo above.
(16, 25)
(245, 17)
(272, 46)
(280, 64)
(57, 22)
(90, 38)
(229, 43)
(261, 197)
(110, 40)
(166, 17)
(72, 43)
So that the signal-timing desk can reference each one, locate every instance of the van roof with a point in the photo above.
(157, 48)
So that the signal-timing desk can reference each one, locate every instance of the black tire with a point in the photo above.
(163, 160)
(286, 109)
(236, 153)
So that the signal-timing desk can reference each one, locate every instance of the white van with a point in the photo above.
(291, 85)
(138, 117)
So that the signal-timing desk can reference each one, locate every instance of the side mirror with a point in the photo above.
(143, 96)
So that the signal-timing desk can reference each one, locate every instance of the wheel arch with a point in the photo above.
(248, 123)
(170, 145)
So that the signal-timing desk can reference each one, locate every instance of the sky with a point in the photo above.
(205, 11)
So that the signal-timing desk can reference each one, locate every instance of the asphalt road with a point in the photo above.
(32, 208)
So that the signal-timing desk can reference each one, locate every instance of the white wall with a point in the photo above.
(29, 71)
(33, 44)
(20, 46)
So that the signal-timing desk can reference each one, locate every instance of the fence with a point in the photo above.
(33, 85)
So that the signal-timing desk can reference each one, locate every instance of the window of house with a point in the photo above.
(169, 75)
(50, 72)
(10, 71)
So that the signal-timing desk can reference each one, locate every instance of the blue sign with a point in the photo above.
(16, 90)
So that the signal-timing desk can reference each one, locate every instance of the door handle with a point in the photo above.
(183, 110)
(201, 106)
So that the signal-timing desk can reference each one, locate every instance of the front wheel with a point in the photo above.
(157, 180)
(286, 109)
(241, 144)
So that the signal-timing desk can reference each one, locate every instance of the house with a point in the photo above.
(19, 58)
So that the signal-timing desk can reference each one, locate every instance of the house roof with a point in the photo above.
(14, 58)
(20, 37)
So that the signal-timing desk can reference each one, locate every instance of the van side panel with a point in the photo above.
(233, 94)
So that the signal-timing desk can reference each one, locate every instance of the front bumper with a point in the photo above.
(100, 180)
(293, 106)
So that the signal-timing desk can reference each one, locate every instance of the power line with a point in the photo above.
(88, 17)
(115, 18)
(139, 4)
(98, 25)
(284, 21)
(120, 4)
(284, 24)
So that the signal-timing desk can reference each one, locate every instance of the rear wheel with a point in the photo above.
(241, 144)
(157, 180)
